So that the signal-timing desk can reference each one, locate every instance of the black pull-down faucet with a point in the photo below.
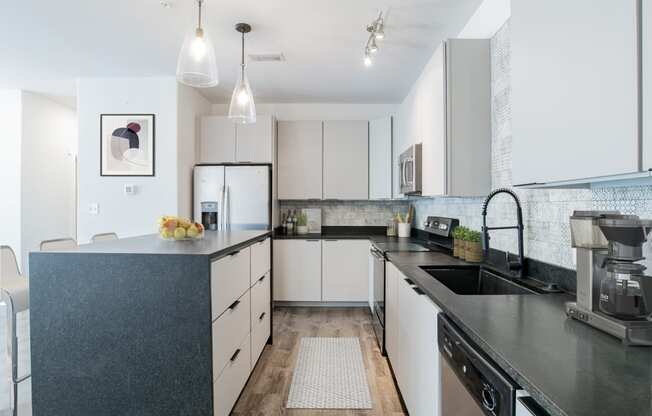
(518, 265)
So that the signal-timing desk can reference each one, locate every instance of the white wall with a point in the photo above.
(48, 149)
(155, 196)
(318, 111)
(10, 115)
(191, 105)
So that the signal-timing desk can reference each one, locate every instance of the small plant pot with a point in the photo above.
(473, 252)
(302, 229)
(461, 250)
(403, 229)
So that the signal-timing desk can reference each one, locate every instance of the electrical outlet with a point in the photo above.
(130, 190)
(94, 208)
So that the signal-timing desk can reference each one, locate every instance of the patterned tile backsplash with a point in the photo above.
(546, 212)
(351, 213)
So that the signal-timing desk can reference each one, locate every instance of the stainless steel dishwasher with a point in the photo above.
(471, 383)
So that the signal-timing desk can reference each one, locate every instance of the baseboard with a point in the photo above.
(322, 304)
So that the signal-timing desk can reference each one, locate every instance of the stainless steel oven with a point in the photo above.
(378, 305)
(409, 170)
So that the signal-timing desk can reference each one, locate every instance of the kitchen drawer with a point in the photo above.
(229, 280)
(228, 332)
(260, 297)
(260, 331)
(228, 386)
(260, 259)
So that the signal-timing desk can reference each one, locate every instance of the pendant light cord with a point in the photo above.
(242, 64)
(199, 22)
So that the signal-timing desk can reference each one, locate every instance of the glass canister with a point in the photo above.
(391, 228)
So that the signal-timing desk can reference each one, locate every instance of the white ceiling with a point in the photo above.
(45, 45)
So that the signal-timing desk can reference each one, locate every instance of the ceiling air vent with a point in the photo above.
(267, 57)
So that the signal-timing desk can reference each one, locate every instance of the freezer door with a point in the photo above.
(247, 196)
(209, 186)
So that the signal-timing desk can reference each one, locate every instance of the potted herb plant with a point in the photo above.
(302, 223)
(473, 251)
(458, 242)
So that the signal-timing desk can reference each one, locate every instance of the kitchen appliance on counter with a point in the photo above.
(409, 170)
(236, 196)
(438, 230)
(614, 294)
(472, 384)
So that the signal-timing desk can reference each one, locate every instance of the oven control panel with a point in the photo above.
(441, 226)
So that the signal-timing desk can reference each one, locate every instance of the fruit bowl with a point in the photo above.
(179, 229)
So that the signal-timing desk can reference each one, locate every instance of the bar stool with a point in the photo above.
(104, 237)
(58, 244)
(14, 292)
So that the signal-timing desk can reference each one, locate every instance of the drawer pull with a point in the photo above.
(235, 355)
(235, 253)
(262, 315)
(419, 291)
(262, 279)
(409, 282)
(234, 305)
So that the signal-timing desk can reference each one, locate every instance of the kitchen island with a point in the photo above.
(144, 326)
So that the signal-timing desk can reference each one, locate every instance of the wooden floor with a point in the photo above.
(266, 392)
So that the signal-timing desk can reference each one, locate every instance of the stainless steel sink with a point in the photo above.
(474, 280)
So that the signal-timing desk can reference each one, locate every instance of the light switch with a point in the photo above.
(94, 208)
(130, 190)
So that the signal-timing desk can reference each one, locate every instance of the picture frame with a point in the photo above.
(127, 145)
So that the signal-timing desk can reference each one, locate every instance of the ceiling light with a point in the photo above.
(196, 65)
(379, 31)
(376, 32)
(367, 60)
(242, 109)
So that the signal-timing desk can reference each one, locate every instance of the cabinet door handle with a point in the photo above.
(235, 253)
(419, 291)
(409, 282)
(262, 315)
(262, 279)
(312, 241)
(234, 305)
(331, 240)
(235, 355)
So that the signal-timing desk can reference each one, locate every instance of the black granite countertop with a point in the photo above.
(570, 368)
(214, 243)
(337, 233)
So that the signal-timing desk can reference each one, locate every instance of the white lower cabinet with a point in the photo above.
(241, 329)
(416, 363)
(297, 270)
(260, 316)
(229, 384)
(228, 332)
(345, 270)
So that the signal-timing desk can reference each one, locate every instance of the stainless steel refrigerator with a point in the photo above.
(240, 194)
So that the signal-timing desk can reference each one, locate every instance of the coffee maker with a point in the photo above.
(614, 293)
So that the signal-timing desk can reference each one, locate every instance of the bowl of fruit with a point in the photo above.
(179, 229)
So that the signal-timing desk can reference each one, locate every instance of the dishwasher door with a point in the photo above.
(455, 398)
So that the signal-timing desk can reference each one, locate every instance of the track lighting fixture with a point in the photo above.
(376, 32)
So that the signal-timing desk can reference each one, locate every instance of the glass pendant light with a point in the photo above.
(242, 109)
(197, 66)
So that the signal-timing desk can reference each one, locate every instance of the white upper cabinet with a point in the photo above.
(380, 158)
(299, 160)
(575, 89)
(254, 142)
(346, 153)
(222, 141)
(647, 84)
(448, 111)
(217, 140)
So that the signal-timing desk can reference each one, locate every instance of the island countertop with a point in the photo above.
(214, 244)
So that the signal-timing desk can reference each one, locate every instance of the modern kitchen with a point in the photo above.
(426, 208)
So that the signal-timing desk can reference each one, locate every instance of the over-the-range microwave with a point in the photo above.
(409, 170)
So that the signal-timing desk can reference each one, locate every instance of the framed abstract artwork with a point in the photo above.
(127, 144)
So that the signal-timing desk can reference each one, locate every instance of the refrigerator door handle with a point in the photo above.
(227, 208)
(222, 208)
